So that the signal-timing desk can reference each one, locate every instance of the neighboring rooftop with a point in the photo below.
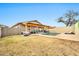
(1, 25)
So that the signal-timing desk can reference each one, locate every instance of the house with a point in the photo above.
(31, 26)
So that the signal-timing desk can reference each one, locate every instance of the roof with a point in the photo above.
(18, 24)
(32, 22)
(23, 23)
(50, 27)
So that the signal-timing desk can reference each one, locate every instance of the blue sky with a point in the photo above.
(46, 13)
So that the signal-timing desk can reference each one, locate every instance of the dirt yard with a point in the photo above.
(35, 45)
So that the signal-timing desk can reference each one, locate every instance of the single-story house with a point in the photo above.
(31, 25)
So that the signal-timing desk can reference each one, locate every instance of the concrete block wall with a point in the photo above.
(5, 31)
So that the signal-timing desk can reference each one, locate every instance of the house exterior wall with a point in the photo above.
(33, 26)
(5, 31)
(16, 30)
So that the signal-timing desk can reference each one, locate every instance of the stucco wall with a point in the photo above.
(16, 30)
(5, 31)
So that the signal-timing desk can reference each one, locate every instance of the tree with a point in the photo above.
(61, 19)
(69, 19)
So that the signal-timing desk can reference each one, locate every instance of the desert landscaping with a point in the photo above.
(36, 45)
(49, 41)
(40, 31)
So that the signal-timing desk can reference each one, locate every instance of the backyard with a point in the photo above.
(35, 45)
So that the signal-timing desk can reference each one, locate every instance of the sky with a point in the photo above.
(46, 13)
